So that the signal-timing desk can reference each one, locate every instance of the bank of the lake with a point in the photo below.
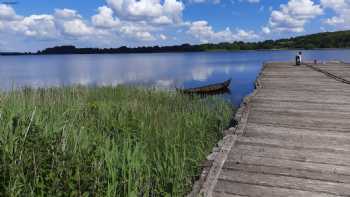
(106, 141)
(167, 70)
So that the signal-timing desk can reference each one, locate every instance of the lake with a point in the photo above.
(164, 70)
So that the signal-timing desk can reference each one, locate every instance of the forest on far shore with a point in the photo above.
(339, 39)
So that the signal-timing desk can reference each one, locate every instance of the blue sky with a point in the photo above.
(31, 25)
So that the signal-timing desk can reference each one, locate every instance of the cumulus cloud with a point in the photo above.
(153, 11)
(293, 16)
(66, 14)
(7, 13)
(77, 27)
(219, 1)
(163, 37)
(342, 10)
(40, 26)
(43, 26)
(70, 23)
(205, 33)
(129, 21)
(148, 22)
(138, 31)
(105, 18)
(66, 24)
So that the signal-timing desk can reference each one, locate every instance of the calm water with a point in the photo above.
(162, 70)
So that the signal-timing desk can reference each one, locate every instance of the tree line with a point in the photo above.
(339, 39)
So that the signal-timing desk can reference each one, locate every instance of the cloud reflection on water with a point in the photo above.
(160, 70)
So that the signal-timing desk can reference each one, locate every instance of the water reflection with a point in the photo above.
(162, 70)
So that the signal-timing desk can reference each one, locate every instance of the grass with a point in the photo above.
(108, 141)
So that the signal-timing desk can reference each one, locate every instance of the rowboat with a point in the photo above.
(209, 89)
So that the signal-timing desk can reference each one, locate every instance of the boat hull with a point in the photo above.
(209, 89)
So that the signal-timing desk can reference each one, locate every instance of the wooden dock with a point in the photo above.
(293, 136)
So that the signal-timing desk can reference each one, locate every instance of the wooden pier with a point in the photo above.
(293, 136)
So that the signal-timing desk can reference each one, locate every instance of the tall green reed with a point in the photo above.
(107, 141)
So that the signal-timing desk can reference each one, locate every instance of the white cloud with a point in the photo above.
(266, 30)
(66, 24)
(66, 14)
(169, 12)
(7, 13)
(202, 73)
(293, 16)
(148, 22)
(163, 37)
(70, 23)
(38, 26)
(342, 10)
(335, 4)
(42, 26)
(77, 27)
(145, 36)
(219, 1)
(162, 20)
(137, 30)
(205, 33)
(104, 18)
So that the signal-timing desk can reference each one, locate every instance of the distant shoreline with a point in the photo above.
(339, 40)
(210, 51)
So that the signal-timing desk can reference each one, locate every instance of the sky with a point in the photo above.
(31, 25)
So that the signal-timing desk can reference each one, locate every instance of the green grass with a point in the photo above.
(108, 141)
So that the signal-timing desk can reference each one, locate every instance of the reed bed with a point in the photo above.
(105, 141)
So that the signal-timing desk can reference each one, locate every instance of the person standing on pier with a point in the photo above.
(298, 59)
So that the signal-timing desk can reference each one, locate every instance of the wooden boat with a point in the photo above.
(209, 89)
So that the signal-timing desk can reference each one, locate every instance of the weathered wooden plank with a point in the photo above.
(283, 79)
(301, 105)
(328, 137)
(302, 143)
(223, 194)
(296, 140)
(299, 121)
(287, 77)
(229, 188)
(342, 70)
(313, 83)
(276, 92)
(294, 144)
(306, 113)
(285, 182)
(320, 98)
(323, 88)
(323, 170)
(334, 141)
(255, 149)
(234, 188)
(290, 74)
(333, 67)
(308, 87)
(284, 171)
